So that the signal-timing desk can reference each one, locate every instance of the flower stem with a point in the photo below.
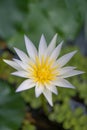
(44, 105)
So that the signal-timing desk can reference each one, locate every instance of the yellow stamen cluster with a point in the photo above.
(43, 71)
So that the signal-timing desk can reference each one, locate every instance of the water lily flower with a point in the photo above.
(42, 68)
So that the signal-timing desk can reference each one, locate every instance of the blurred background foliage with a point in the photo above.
(68, 18)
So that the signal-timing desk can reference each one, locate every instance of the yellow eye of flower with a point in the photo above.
(43, 69)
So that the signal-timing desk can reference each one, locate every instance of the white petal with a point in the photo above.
(23, 74)
(39, 90)
(42, 46)
(72, 73)
(31, 49)
(13, 64)
(56, 51)
(65, 70)
(52, 88)
(52, 45)
(22, 55)
(24, 66)
(27, 84)
(64, 59)
(63, 83)
(48, 96)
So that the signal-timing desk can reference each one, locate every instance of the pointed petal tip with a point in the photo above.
(15, 49)
(72, 53)
(55, 36)
(81, 72)
(4, 60)
(12, 73)
(51, 104)
(75, 51)
(56, 93)
(38, 90)
(17, 90)
(42, 38)
(73, 87)
(62, 42)
(42, 35)
(25, 36)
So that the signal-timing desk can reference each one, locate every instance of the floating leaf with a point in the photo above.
(11, 108)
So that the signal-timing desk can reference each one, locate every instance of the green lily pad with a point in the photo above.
(11, 108)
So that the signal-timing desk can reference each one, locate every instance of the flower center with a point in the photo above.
(43, 74)
(43, 70)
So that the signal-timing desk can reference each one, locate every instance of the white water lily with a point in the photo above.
(43, 69)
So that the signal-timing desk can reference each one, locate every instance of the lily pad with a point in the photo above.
(11, 108)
